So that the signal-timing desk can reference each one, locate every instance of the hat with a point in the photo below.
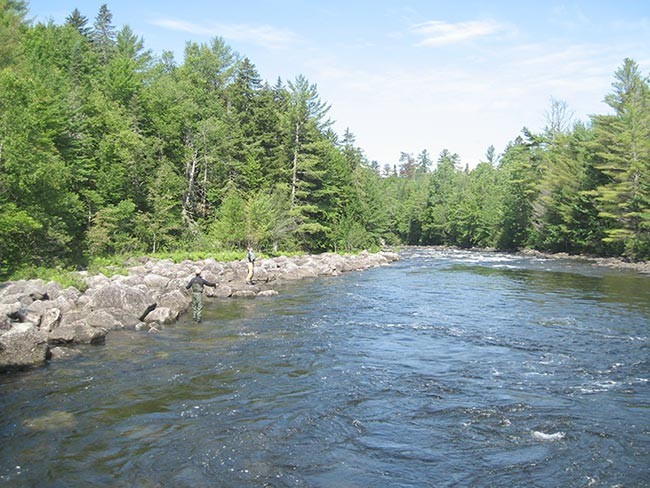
(197, 271)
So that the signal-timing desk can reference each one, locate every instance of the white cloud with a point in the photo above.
(436, 33)
(464, 106)
(261, 35)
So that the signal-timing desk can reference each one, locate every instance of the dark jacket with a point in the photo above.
(197, 283)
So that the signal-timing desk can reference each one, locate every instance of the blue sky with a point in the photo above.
(409, 75)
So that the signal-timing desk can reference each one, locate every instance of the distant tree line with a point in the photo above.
(106, 150)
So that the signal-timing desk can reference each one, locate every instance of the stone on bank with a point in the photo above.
(39, 320)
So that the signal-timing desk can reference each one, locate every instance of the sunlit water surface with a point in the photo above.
(444, 369)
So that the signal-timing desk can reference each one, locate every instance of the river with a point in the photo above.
(447, 368)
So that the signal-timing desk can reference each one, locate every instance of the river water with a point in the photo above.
(447, 368)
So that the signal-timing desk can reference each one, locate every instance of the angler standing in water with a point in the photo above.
(250, 261)
(197, 284)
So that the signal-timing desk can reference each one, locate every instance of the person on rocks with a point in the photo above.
(250, 261)
(197, 283)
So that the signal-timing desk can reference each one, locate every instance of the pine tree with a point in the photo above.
(79, 22)
(12, 25)
(103, 34)
(622, 148)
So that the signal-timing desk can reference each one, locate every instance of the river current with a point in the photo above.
(447, 368)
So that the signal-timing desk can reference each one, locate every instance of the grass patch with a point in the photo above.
(63, 276)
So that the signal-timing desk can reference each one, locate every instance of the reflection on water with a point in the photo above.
(445, 369)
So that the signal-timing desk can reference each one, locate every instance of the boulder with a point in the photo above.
(5, 323)
(37, 312)
(51, 319)
(102, 318)
(71, 294)
(155, 281)
(10, 310)
(53, 289)
(164, 267)
(178, 283)
(162, 315)
(220, 291)
(131, 299)
(22, 346)
(390, 256)
(261, 275)
(243, 294)
(175, 300)
(59, 352)
(25, 289)
(62, 303)
(267, 293)
(107, 318)
(97, 281)
(77, 333)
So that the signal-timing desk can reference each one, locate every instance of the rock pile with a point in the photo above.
(38, 320)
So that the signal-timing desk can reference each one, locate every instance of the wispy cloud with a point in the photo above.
(261, 35)
(436, 33)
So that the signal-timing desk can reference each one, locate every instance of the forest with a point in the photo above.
(107, 150)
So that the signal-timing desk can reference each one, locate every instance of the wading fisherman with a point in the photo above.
(250, 261)
(197, 284)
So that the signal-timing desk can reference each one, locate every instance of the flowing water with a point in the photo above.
(444, 369)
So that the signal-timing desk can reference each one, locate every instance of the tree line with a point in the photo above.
(107, 150)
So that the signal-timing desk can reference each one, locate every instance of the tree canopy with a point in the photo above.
(106, 149)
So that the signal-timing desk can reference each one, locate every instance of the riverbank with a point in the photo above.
(615, 263)
(41, 321)
(642, 267)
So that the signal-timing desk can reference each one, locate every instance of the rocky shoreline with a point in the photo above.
(41, 321)
(614, 263)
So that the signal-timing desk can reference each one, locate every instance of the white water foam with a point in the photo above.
(542, 436)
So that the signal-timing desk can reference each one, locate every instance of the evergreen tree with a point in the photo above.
(12, 25)
(520, 176)
(423, 163)
(407, 167)
(304, 121)
(103, 34)
(622, 148)
(79, 22)
(442, 200)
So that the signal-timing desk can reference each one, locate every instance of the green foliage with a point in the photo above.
(112, 230)
(63, 276)
(622, 156)
(18, 234)
(105, 151)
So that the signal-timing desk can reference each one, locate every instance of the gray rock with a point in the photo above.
(53, 289)
(22, 346)
(108, 318)
(77, 333)
(51, 319)
(71, 294)
(175, 300)
(244, 294)
(220, 291)
(267, 293)
(131, 299)
(155, 281)
(162, 315)
(11, 310)
(62, 303)
(59, 352)
(5, 323)
(97, 281)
